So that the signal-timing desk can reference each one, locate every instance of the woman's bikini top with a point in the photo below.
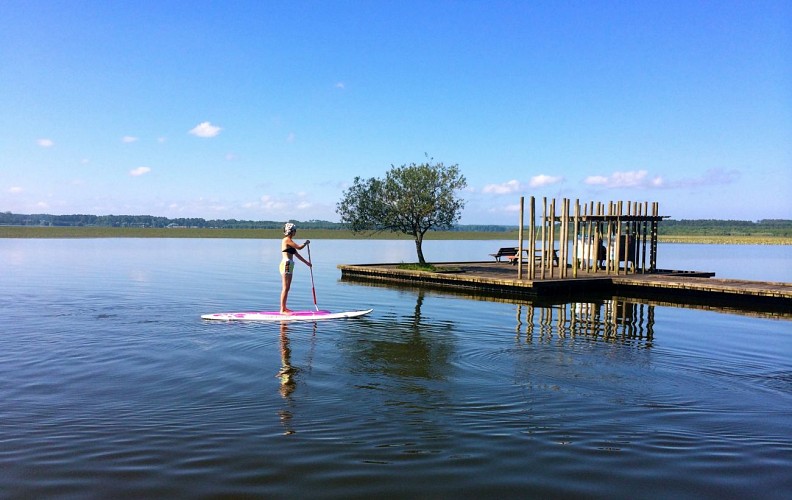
(289, 250)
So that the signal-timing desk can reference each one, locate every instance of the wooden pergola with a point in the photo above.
(600, 236)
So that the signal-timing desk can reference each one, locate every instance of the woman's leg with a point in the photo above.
(287, 279)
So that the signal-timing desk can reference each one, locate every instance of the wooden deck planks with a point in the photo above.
(489, 277)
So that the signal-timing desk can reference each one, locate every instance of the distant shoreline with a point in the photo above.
(54, 232)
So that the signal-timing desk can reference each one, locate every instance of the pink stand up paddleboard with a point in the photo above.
(277, 316)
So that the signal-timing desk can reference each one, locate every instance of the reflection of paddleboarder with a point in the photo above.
(286, 376)
(289, 250)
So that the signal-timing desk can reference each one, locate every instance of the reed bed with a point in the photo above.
(332, 234)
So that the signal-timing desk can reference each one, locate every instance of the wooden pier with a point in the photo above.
(500, 278)
(578, 251)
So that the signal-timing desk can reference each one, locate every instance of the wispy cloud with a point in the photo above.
(197, 206)
(340, 85)
(507, 187)
(205, 129)
(127, 139)
(542, 180)
(710, 177)
(270, 203)
(45, 143)
(631, 179)
(15, 190)
(642, 180)
(137, 172)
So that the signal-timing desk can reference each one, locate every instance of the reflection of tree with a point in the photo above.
(413, 349)
(404, 364)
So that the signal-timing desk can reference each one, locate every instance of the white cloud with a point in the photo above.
(340, 85)
(129, 139)
(162, 139)
(45, 143)
(629, 179)
(15, 190)
(205, 129)
(507, 187)
(596, 180)
(512, 208)
(544, 180)
(137, 172)
(269, 203)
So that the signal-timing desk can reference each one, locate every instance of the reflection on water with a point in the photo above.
(111, 386)
(414, 347)
(288, 375)
(610, 320)
(288, 383)
(760, 310)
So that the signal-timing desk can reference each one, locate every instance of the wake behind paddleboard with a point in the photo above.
(277, 316)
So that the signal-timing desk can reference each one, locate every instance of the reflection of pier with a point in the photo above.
(370, 276)
(612, 320)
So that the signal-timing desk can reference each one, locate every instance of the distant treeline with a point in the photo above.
(695, 227)
(140, 221)
(714, 227)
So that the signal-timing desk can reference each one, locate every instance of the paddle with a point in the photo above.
(313, 288)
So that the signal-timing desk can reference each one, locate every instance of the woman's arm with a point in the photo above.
(303, 259)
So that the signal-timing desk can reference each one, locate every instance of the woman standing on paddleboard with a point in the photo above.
(289, 250)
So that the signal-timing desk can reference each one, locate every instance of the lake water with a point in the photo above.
(111, 385)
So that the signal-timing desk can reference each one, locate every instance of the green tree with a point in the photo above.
(412, 199)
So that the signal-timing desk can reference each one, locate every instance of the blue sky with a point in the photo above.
(268, 110)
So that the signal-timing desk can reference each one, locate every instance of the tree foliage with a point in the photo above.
(411, 199)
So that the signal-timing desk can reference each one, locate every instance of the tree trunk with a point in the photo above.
(418, 244)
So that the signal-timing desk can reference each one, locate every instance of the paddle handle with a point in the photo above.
(313, 287)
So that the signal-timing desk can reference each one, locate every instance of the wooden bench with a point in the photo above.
(537, 256)
(508, 252)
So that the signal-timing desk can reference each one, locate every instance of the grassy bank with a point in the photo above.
(318, 234)
(328, 234)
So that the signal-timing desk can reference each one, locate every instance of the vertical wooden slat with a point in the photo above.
(544, 235)
(575, 240)
(532, 240)
(520, 240)
(549, 254)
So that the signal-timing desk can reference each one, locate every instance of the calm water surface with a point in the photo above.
(111, 385)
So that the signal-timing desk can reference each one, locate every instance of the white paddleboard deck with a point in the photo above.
(277, 316)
